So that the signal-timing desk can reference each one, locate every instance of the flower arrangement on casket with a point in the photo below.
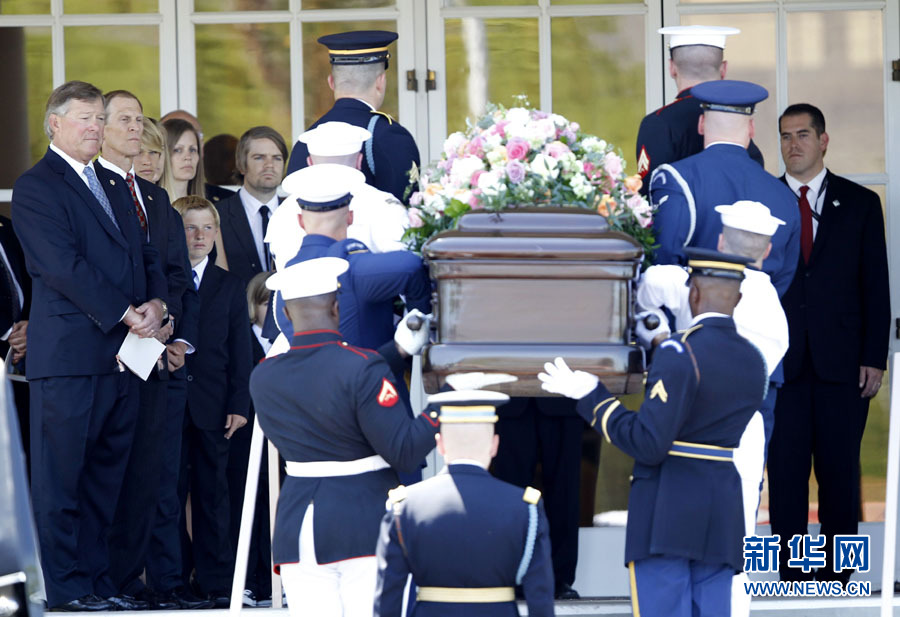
(526, 157)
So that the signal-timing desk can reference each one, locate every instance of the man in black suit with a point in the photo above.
(94, 279)
(161, 225)
(838, 311)
(260, 157)
(218, 401)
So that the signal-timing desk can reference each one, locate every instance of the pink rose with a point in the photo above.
(416, 199)
(500, 128)
(612, 163)
(415, 216)
(556, 149)
(474, 201)
(517, 149)
(476, 147)
(475, 176)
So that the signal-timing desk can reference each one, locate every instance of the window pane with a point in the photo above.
(455, 3)
(751, 57)
(849, 44)
(608, 100)
(596, 1)
(27, 76)
(345, 4)
(24, 7)
(317, 96)
(110, 6)
(243, 78)
(241, 5)
(489, 60)
(130, 60)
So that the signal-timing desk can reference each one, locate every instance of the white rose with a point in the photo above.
(518, 115)
(489, 183)
(453, 143)
(559, 120)
(463, 169)
(544, 166)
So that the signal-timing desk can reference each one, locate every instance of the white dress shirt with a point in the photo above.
(251, 209)
(815, 196)
(78, 166)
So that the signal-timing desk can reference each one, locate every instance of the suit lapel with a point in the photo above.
(155, 217)
(826, 218)
(241, 227)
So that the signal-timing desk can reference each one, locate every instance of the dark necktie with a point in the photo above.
(264, 215)
(806, 229)
(129, 180)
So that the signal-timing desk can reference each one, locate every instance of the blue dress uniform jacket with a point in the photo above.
(462, 528)
(393, 148)
(325, 400)
(368, 288)
(670, 134)
(686, 193)
(681, 506)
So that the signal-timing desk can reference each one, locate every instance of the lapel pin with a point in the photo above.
(111, 181)
(150, 197)
(836, 203)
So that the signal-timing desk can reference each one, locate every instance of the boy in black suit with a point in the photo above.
(218, 402)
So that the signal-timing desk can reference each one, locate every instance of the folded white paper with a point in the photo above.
(140, 354)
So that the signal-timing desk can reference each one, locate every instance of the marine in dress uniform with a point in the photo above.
(686, 192)
(685, 517)
(391, 152)
(467, 538)
(670, 133)
(333, 412)
(373, 280)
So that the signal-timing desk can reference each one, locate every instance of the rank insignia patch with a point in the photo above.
(643, 162)
(388, 395)
(659, 390)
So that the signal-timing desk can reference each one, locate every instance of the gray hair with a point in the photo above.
(61, 98)
(700, 62)
(744, 243)
(356, 78)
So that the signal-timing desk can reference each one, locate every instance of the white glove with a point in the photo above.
(412, 341)
(478, 380)
(560, 379)
(645, 335)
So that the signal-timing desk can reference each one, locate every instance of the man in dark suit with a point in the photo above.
(15, 303)
(130, 533)
(260, 157)
(218, 402)
(838, 312)
(358, 64)
(94, 278)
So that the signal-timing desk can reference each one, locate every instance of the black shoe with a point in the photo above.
(220, 599)
(180, 597)
(88, 603)
(564, 591)
(125, 602)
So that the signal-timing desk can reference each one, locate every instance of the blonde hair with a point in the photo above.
(257, 293)
(153, 139)
(196, 202)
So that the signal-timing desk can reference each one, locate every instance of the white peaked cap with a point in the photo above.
(714, 36)
(335, 139)
(323, 187)
(313, 277)
(749, 216)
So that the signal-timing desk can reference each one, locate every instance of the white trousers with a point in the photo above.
(750, 460)
(340, 589)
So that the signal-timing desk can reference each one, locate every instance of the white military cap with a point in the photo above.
(324, 187)
(309, 278)
(749, 216)
(468, 406)
(714, 36)
(335, 139)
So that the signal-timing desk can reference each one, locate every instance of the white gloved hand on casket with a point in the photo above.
(560, 379)
(646, 335)
(478, 380)
(412, 341)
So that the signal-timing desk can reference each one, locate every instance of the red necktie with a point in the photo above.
(129, 180)
(806, 229)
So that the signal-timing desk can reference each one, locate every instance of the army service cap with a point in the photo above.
(749, 216)
(729, 95)
(335, 139)
(322, 188)
(713, 36)
(309, 278)
(359, 46)
(706, 262)
(468, 406)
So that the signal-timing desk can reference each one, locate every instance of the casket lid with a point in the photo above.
(533, 233)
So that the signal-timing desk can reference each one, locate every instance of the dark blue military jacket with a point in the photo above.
(462, 528)
(393, 149)
(670, 134)
(686, 193)
(368, 288)
(325, 400)
(703, 386)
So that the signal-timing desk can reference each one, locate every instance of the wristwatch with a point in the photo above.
(165, 314)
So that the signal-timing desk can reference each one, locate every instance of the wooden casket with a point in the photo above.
(517, 288)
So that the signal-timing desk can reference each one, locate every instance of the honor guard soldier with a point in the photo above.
(685, 518)
(685, 193)
(467, 538)
(373, 280)
(358, 63)
(670, 133)
(379, 219)
(333, 412)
